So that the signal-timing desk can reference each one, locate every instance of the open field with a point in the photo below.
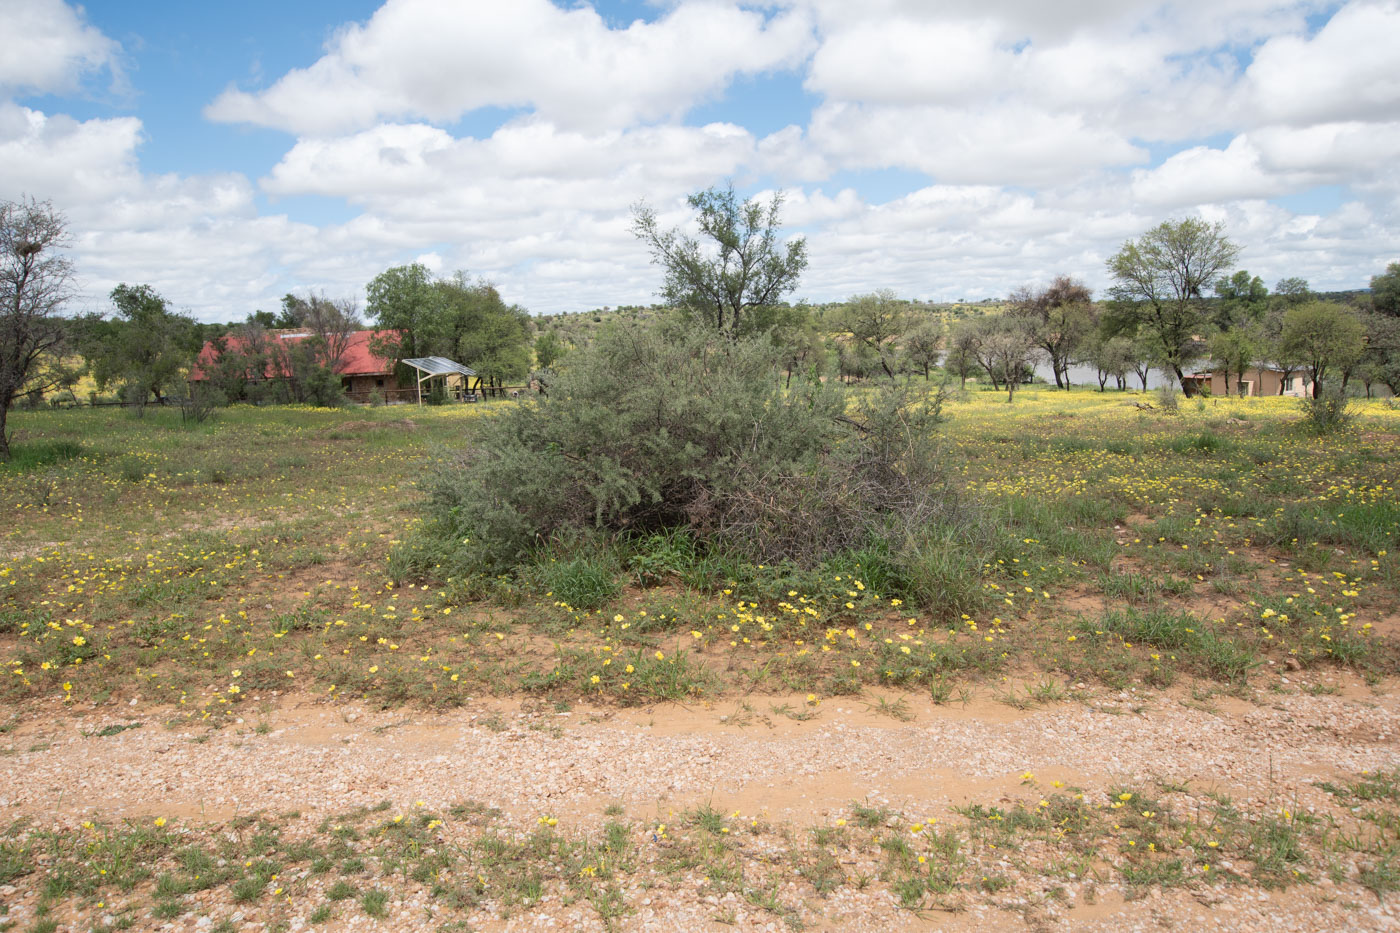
(1167, 692)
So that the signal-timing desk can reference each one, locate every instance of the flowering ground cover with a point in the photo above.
(209, 574)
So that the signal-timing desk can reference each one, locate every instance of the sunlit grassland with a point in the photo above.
(207, 565)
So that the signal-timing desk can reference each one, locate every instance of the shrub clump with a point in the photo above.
(655, 428)
(1327, 413)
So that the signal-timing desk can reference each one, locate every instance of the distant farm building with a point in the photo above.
(364, 375)
(1254, 381)
(267, 358)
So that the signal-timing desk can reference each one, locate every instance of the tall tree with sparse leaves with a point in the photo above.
(35, 284)
(736, 273)
(1159, 282)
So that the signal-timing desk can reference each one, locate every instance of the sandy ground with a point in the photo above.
(746, 756)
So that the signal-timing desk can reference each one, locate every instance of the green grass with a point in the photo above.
(282, 530)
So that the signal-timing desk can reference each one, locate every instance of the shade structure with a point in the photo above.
(439, 366)
(430, 366)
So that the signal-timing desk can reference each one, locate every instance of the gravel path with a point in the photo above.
(324, 759)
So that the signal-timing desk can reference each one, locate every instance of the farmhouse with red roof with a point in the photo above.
(361, 371)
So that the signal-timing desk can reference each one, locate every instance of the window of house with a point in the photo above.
(379, 382)
(1288, 384)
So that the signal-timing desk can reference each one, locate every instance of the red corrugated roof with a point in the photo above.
(358, 359)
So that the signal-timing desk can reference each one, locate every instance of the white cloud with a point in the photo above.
(1031, 122)
(437, 61)
(49, 47)
(1011, 144)
(1347, 71)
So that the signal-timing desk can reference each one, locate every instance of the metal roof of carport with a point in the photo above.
(439, 366)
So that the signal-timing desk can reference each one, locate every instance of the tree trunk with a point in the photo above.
(1187, 390)
(4, 434)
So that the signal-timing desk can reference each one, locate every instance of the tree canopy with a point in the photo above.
(1322, 335)
(453, 317)
(1159, 280)
(145, 346)
(737, 272)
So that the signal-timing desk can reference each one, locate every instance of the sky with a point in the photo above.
(227, 154)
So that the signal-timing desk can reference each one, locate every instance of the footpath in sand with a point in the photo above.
(774, 779)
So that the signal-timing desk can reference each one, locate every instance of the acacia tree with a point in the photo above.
(452, 317)
(1062, 318)
(146, 346)
(1160, 279)
(1385, 290)
(1007, 349)
(400, 299)
(35, 282)
(1243, 298)
(1322, 335)
(962, 357)
(1233, 350)
(877, 321)
(734, 279)
(331, 323)
(922, 346)
(1110, 357)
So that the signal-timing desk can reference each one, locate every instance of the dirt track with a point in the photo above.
(748, 758)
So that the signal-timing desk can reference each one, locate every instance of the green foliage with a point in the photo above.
(1159, 280)
(40, 454)
(642, 431)
(658, 428)
(586, 581)
(877, 321)
(736, 292)
(1327, 413)
(1195, 640)
(548, 349)
(453, 317)
(1322, 335)
(146, 346)
(1385, 290)
(1204, 442)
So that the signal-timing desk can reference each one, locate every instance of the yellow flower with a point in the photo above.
(160, 821)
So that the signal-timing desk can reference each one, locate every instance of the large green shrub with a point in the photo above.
(655, 427)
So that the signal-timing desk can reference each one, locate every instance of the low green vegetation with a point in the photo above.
(323, 551)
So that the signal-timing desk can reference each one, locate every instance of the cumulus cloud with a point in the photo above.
(1346, 72)
(50, 47)
(1011, 143)
(1016, 139)
(426, 59)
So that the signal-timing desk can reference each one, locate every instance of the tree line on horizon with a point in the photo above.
(1177, 300)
